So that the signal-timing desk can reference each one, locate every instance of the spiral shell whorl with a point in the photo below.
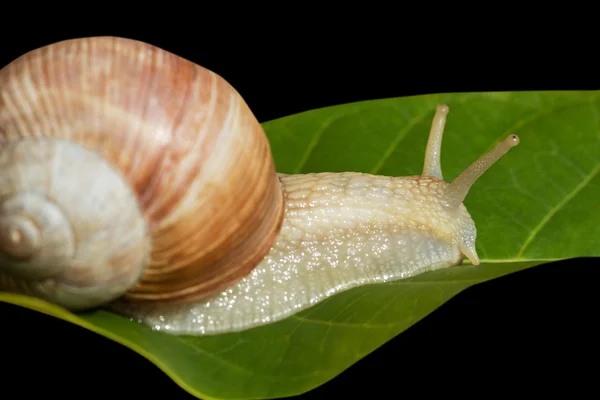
(83, 241)
(189, 147)
(36, 239)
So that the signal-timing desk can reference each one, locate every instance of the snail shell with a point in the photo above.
(150, 171)
(133, 179)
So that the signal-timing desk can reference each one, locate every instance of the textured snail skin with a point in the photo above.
(340, 230)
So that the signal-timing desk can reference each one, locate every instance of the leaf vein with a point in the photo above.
(253, 372)
(341, 310)
(317, 138)
(347, 324)
(382, 308)
(394, 144)
(559, 206)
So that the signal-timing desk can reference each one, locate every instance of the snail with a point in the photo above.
(135, 180)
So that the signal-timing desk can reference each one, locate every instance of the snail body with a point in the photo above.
(135, 180)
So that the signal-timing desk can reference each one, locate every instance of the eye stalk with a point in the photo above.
(432, 165)
(458, 189)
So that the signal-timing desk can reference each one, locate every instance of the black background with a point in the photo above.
(527, 332)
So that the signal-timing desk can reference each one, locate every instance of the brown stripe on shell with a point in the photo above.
(182, 136)
(237, 224)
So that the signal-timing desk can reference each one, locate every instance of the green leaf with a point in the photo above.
(530, 208)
